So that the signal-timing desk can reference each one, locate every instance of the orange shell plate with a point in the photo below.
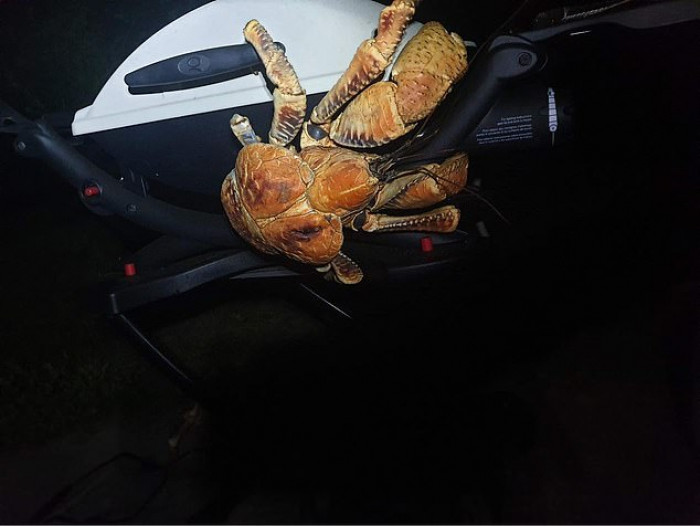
(310, 237)
(428, 66)
(343, 182)
(270, 179)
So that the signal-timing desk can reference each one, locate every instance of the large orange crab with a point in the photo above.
(296, 204)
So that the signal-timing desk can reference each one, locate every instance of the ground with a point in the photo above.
(548, 398)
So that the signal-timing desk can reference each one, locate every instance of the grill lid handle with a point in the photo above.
(192, 70)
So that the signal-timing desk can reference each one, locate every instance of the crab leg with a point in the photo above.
(444, 219)
(289, 97)
(425, 71)
(426, 186)
(344, 270)
(241, 128)
(370, 60)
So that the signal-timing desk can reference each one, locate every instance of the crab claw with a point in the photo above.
(424, 73)
(370, 60)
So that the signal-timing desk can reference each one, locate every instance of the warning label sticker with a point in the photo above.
(507, 129)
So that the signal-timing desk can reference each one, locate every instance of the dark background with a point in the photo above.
(553, 380)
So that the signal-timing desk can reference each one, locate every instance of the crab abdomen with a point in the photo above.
(266, 201)
(370, 59)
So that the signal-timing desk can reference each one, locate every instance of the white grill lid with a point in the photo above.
(320, 37)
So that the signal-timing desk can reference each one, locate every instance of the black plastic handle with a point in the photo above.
(509, 58)
(40, 140)
(563, 20)
(192, 70)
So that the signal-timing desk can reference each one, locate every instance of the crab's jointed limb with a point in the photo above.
(444, 219)
(289, 97)
(370, 60)
(420, 188)
(425, 186)
(424, 73)
(265, 199)
(344, 270)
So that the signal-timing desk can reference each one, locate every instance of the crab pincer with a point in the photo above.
(423, 74)
(370, 60)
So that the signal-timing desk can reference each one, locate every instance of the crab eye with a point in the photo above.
(316, 132)
(359, 220)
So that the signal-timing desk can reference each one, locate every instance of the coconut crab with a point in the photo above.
(297, 203)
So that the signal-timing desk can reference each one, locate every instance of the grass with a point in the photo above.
(66, 368)
(61, 365)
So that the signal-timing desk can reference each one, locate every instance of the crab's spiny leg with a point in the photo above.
(444, 219)
(289, 97)
(344, 270)
(241, 128)
(427, 186)
(370, 60)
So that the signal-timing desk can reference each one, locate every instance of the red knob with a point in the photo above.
(91, 191)
(129, 269)
(426, 244)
